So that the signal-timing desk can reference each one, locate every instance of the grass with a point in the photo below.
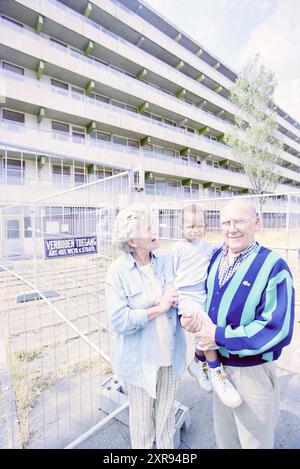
(26, 356)
(29, 386)
(26, 391)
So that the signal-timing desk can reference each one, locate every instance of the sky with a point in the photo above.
(235, 30)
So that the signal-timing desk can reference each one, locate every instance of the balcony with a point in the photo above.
(59, 145)
(80, 64)
(41, 94)
(65, 57)
(119, 48)
(145, 29)
(61, 148)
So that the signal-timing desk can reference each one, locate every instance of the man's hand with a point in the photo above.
(191, 322)
(206, 334)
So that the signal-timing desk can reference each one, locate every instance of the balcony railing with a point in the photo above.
(165, 66)
(35, 133)
(159, 63)
(109, 107)
(91, 61)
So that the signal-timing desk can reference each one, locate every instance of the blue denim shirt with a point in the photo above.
(128, 295)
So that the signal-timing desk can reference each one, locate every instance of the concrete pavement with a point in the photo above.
(200, 435)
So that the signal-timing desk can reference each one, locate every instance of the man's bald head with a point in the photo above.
(240, 204)
(239, 222)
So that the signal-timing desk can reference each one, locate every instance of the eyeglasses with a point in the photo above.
(237, 223)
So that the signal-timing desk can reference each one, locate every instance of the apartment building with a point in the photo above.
(88, 89)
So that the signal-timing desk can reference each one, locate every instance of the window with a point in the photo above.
(59, 84)
(167, 121)
(77, 51)
(146, 114)
(148, 147)
(78, 132)
(156, 118)
(12, 229)
(170, 152)
(10, 20)
(172, 183)
(99, 97)
(158, 149)
(118, 104)
(77, 92)
(103, 173)
(13, 116)
(161, 185)
(101, 136)
(131, 108)
(190, 130)
(103, 99)
(193, 160)
(150, 181)
(60, 169)
(131, 75)
(100, 61)
(60, 126)
(120, 140)
(133, 143)
(13, 68)
(61, 174)
(195, 186)
(56, 41)
(15, 171)
(27, 227)
(79, 176)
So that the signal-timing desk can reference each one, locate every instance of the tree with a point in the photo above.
(253, 140)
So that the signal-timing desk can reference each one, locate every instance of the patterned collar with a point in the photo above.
(226, 270)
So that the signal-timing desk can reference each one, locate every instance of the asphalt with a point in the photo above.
(200, 435)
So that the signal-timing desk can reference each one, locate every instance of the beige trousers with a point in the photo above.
(153, 419)
(251, 425)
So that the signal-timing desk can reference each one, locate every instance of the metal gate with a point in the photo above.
(54, 340)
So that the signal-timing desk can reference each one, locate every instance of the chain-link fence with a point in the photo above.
(279, 215)
(279, 228)
(54, 342)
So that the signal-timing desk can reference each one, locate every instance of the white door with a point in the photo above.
(13, 238)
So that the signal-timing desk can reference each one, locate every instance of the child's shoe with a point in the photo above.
(224, 388)
(200, 371)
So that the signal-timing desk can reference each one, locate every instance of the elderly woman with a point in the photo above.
(149, 350)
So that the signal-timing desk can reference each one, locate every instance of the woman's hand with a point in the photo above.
(169, 297)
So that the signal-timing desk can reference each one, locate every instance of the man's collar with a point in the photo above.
(225, 248)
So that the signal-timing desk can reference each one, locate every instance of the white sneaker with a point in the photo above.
(199, 370)
(224, 388)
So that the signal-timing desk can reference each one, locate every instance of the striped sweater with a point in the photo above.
(253, 310)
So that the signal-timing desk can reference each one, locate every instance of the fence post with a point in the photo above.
(34, 244)
(2, 234)
(287, 238)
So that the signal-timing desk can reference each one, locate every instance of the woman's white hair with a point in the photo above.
(129, 224)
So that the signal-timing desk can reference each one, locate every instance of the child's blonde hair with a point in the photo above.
(195, 209)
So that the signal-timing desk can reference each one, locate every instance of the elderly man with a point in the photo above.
(250, 306)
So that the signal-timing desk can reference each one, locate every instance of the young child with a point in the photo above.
(191, 258)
